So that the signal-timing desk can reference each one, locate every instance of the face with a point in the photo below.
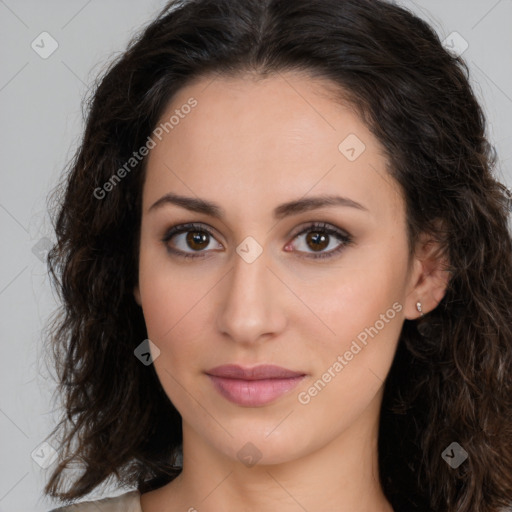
(270, 273)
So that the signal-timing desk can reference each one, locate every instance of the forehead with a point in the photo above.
(279, 136)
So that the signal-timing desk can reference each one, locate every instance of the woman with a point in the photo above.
(286, 270)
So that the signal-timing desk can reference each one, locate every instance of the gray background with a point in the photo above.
(40, 125)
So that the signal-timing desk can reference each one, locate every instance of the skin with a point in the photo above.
(250, 145)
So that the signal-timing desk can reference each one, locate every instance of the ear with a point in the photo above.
(136, 294)
(429, 277)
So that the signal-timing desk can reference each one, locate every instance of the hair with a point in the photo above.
(450, 380)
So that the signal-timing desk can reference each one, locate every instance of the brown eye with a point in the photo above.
(317, 240)
(190, 241)
(319, 237)
(197, 240)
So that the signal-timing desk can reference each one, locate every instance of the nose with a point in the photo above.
(252, 306)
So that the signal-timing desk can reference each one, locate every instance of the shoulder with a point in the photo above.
(127, 502)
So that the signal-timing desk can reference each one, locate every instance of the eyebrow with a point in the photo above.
(284, 210)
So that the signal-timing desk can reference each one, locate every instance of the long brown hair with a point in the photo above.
(451, 379)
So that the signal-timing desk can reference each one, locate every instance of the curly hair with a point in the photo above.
(451, 378)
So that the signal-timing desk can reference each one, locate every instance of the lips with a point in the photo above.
(253, 387)
(266, 371)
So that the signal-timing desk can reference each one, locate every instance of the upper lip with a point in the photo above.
(264, 371)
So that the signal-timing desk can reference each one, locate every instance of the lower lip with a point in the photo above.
(253, 393)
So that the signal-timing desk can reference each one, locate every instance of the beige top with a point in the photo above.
(127, 502)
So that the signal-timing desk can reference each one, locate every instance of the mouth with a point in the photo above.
(253, 387)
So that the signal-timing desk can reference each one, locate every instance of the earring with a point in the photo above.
(418, 307)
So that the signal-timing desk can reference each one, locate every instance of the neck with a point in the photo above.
(342, 475)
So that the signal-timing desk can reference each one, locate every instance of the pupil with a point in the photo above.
(320, 241)
(197, 239)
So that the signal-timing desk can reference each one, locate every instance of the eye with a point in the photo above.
(321, 236)
(190, 236)
(193, 240)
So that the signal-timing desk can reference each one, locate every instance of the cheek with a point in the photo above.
(350, 365)
(165, 295)
(362, 303)
(174, 317)
(175, 308)
(173, 312)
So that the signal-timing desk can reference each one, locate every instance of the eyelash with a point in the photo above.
(321, 227)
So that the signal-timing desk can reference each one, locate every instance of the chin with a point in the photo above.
(266, 446)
